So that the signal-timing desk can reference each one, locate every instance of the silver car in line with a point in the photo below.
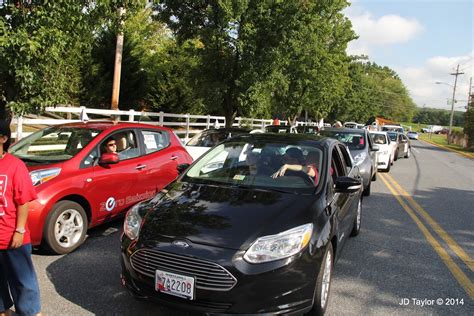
(362, 149)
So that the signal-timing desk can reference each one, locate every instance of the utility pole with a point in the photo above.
(470, 98)
(118, 63)
(456, 74)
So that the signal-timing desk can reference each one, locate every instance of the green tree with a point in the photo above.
(43, 46)
(264, 56)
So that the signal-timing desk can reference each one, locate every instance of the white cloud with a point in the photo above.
(386, 30)
(421, 81)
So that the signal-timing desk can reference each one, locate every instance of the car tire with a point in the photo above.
(388, 167)
(366, 191)
(374, 176)
(323, 283)
(407, 155)
(357, 220)
(65, 228)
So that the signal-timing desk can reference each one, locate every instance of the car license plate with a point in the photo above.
(174, 284)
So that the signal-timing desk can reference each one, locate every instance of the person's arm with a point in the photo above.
(21, 218)
(281, 172)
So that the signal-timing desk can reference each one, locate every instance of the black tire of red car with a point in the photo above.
(324, 278)
(63, 208)
(357, 220)
(366, 191)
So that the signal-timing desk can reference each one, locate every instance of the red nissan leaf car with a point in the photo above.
(81, 184)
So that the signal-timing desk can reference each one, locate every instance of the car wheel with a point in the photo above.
(396, 155)
(66, 227)
(367, 189)
(357, 220)
(323, 283)
(388, 167)
(407, 155)
(374, 176)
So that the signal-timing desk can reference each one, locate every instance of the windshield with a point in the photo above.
(379, 139)
(353, 140)
(392, 136)
(246, 163)
(53, 144)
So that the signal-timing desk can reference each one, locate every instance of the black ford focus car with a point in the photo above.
(253, 226)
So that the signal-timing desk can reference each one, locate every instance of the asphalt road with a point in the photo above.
(415, 248)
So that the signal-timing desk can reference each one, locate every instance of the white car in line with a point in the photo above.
(208, 138)
(386, 151)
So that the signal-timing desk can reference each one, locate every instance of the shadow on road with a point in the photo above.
(90, 277)
(391, 260)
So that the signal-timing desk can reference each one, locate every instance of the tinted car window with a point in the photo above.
(208, 139)
(353, 140)
(392, 136)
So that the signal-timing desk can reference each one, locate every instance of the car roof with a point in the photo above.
(278, 138)
(105, 125)
(228, 129)
(344, 129)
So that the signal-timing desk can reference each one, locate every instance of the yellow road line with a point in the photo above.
(458, 274)
(436, 227)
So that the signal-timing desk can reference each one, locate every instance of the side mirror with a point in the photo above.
(108, 159)
(375, 148)
(348, 185)
(182, 167)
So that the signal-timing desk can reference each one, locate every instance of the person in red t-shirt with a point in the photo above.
(18, 281)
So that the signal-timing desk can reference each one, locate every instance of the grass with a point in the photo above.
(442, 141)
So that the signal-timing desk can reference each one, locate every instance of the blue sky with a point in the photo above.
(423, 41)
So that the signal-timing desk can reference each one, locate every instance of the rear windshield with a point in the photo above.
(379, 138)
(392, 136)
(353, 140)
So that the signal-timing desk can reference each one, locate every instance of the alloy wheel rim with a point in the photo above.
(326, 279)
(68, 228)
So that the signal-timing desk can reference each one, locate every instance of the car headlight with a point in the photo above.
(358, 159)
(41, 176)
(132, 222)
(280, 246)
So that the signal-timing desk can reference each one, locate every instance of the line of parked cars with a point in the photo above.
(237, 221)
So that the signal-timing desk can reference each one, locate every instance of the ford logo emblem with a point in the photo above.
(181, 244)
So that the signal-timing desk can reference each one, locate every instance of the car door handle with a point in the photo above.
(174, 157)
(140, 167)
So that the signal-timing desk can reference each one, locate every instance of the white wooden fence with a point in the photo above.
(184, 125)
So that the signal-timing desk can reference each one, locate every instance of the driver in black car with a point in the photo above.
(293, 160)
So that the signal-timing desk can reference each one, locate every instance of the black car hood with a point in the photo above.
(223, 216)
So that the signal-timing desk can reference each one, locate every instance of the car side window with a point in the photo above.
(338, 164)
(347, 161)
(127, 145)
(155, 140)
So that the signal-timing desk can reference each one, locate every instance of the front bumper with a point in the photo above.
(283, 287)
